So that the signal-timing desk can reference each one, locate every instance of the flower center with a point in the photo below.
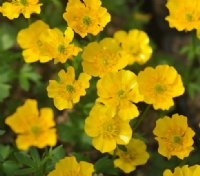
(189, 16)
(61, 49)
(177, 139)
(86, 20)
(110, 129)
(121, 93)
(69, 88)
(35, 130)
(23, 2)
(159, 88)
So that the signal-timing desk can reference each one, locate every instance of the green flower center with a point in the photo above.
(61, 49)
(189, 16)
(86, 20)
(121, 93)
(23, 2)
(69, 88)
(177, 139)
(159, 88)
(35, 130)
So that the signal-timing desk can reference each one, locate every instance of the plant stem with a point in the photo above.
(141, 118)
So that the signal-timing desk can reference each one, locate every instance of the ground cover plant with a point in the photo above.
(99, 87)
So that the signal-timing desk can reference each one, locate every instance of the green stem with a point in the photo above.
(141, 118)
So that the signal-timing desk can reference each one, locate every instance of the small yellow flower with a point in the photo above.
(183, 14)
(103, 57)
(14, 8)
(67, 91)
(174, 136)
(136, 44)
(86, 16)
(106, 128)
(120, 89)
(134, 156)
(33, 128)
(70, 167)
(57, 46)
(29, 40)
(184, 171)
(160, 85)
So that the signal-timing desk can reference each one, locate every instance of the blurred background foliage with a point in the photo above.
(19, 81)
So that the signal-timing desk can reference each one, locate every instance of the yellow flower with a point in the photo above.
(103, 57)
(160, 85)
(86, 16)
(174, 136)
(70, 167)
(29, 40)
(120, 89)
(136, 44)
(183, 14)
(67, 91)
(15, 7)
(184, 171)
(57, 45)
(33, 128)
(134, 156)
(106, 128)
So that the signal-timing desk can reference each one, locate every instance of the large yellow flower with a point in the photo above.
(174, 136)
(135, 155)
(33, 128)
(29, 40)
(106, 128)
(160, 85)
(15, 7)
(135, 43)
(103, 57)
(120, 89)
(184, 14)
(57, 46)
(67, 91)
(184, 171)
(86, 16)
(70, 167)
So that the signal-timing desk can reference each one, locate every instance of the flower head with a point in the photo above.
(103, 57)
(29, 40)
(184, 171)
(120, 89)
(106, 128)
(174, 136)
(183, 14)
(67, 91)
(70, 167)
(33, 128)
(160, 85)
(86, 17)
(57, 46)
(136, 44)
(135, 155)
(14, 8)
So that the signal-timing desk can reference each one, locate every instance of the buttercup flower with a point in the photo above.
(174, 136)
(57, 46)
(106, 128)
(86, 17)
(135, 43)
(103, 57)
(70, 167)
(67, 91)
(184, 14)
(184, 171)
(120, 89)
(33, 128)
(29, 40)
(134, 156)
(14, 8)
(160, 85)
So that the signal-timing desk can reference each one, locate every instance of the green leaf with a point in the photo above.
(106, 166)
(5, 91)
(4, 151)
(9, 167)
(24, 159)
(25, 171)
